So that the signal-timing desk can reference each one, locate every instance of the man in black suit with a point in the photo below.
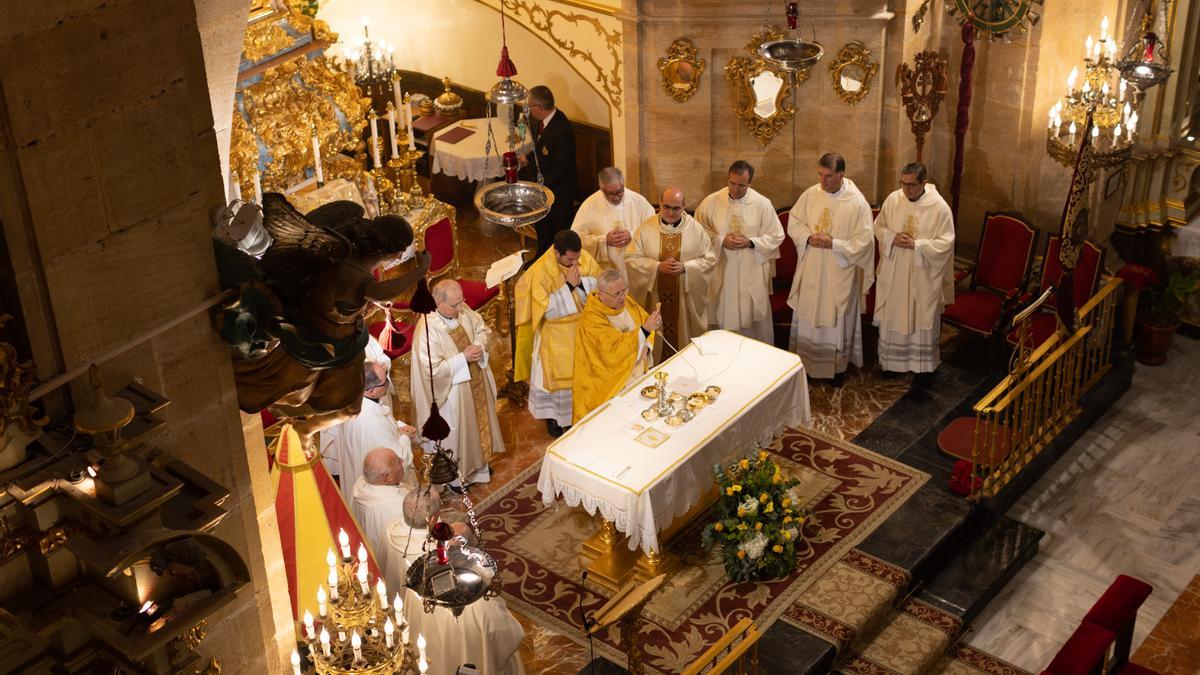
(554, 143)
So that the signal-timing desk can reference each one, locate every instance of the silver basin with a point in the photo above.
(513, 204)
(791, 54)
(467, 578)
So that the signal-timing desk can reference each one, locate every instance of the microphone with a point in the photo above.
(584, 619)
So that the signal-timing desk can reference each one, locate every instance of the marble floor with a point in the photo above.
(1125, 499)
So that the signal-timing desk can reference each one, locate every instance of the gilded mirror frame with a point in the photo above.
(681, 53)
(854, 53)
(741, 71)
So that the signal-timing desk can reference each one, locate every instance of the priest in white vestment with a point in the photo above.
(671, 260)
(748, 234)
(345, 446)
(462, 384)
(379, 499)
(606, 220)
(374, 352)
(831, 227)
(915, 280)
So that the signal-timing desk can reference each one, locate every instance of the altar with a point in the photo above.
(647, 478)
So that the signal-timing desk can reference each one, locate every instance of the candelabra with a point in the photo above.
(357, 631)
(373, 62)
(1102, 95)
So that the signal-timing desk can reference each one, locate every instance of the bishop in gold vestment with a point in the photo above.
(671, 261)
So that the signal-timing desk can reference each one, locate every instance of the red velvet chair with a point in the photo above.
(1116, 611)
(868, 312)
(1087, 279)
(1083, 653)
(441, 240)
(401, 338)
(1000, 274)
(781, 283)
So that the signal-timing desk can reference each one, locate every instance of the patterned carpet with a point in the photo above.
(849, 490)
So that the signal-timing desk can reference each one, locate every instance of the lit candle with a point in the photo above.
(1095, 133)
(295, 662)
(397, 93)
(316, 143)
(330, 559)
(257, 187)
(362, 578)
(1104, 29)
(374, 142)
(381, 590)
(404, 634)
(1104, 89)
(321, 601)
(409, 117)
(1071, 130)
(308, 625)
(1121, 92)
(344, 543)
(362, 553)
(423, 666)
(1087, 47)
(392, 129)
(398, 606)
(388, 629)
(1116, 134)
(333, 585)
(421, 645)
(325, 641)
(1072, 77)
(356, 645)
(1087, 86)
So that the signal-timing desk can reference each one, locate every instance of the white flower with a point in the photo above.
(754, 546)
(749, 506)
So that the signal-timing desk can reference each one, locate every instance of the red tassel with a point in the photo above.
(506, 68)
(385, 335)
(422, 300)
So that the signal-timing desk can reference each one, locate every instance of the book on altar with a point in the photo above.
(504, 268)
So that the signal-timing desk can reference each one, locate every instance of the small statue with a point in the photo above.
(297, 323)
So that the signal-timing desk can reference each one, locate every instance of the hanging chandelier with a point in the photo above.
(373, 62)
(791, 54)
(1146, 60)
(1103, 95)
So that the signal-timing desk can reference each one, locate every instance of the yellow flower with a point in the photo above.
(741, 527)
(777, 479)
(762, 455)
(787, 535)
(741, 512)
(787, 519)
(741, 554)
(800, 520)
(728, 492)
(762, 498)
(770, 507)
(758, 527)
(718, 527)
(745, 464)
(737, 487)
(787, 503)
(777, 548)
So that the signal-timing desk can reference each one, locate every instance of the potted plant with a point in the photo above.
(1159, 318)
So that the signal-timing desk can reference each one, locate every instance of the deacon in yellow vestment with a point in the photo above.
(612, 344)
(550, 295)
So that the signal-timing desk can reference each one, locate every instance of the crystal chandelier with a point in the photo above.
(373, 62)
(1146, 61)
(792, 54)
(357, 631)
(1103, 95)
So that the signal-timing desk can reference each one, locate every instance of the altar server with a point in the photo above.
(606, 219)
(831, 227)
(345, 446)
(462, 384)
(379, 499)
(612, 344)
(670, 261)
(549, 296)
(748, 234)
(915, 230)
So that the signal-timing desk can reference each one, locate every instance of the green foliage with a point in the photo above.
(1168, 300)
(756, 522)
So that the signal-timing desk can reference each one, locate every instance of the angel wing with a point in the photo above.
(387, 235)
(301, 248)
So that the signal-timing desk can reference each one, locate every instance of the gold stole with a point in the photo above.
(478, 392)
(557, 352)
(669, 288)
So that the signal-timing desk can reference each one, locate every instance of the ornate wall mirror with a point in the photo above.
(762, 92)
(922, 90)
(681, 69)
(853, 70)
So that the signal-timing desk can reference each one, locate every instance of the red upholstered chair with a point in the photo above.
(868, 311)
(1116, 611)
(1087, 279)
(1083, 653)
(781, 283)
(401, 338)
(1000, 274)
(441, 240)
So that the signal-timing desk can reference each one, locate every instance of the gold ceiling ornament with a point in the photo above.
(922, 89)
(264, 39)
(550, 22)
(852, 71)
(681, 69)
(20, 423)
(762, 91)
(996, 19)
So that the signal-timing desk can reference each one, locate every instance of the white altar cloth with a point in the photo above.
(466, 159)
(598, 463)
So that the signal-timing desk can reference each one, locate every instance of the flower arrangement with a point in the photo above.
(757, 521)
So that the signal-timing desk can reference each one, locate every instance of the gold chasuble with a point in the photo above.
(608, 352)
(479, 393)
(557, 348)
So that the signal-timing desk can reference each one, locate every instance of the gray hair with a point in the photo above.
(378, 462)
(607, 277)
(611, 174)
(917, 168)
(441, 291)
(541, 95)
(371, 378)
(419, 505)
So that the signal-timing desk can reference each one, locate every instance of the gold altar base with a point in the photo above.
(610, 563)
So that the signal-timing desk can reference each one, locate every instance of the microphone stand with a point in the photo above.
(587, 625)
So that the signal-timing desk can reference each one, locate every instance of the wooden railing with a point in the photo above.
(738, 647)
(1022, 414)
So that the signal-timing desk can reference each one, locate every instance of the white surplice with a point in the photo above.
(829, 283)
(555, 405)
(596, 218)
(344, 446)
(913, 285)
(374, 353)
(376, 508)
(743, 301)
(452, 379)
(696, 284)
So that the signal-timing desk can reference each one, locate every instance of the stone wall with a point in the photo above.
(109, 171)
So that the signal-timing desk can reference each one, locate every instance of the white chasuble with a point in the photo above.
(465, 392)
(685, 297)
(743, 299)
(376, 508)
(829, 283)
(913, 285)
(596, 218)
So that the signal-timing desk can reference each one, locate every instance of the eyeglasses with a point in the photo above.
(615, 295)
(615, 193)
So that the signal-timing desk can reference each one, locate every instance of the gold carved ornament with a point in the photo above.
(762, 92)
(922, 90)
(17, 378)
(852, 71)
(681, 69)
(991, 18)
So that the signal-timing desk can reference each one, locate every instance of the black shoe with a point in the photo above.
(553, 429)
(838, 380)
(889, 374)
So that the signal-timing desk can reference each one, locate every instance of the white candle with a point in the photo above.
(362, 553)
(235, 186)
(316, 143)
(325, 641)
(421, 645)
(398, 606)
(257, 187)
(392, 130)
(321, 601)
(409, 117)
(295, 662)
(388, 629)
(374, 139)
(308, 625)
(381, 590)
(397, 93)
(1071, 129)
(344, 543)
(333, 585)
(404, 634)
(423, 666)
(1104, 29)
(330, 559)
(356, 645)
(362, 578)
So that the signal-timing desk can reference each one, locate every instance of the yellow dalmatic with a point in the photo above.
(557, 349)
(608, 352)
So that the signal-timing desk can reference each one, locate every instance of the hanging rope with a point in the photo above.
(965, 74)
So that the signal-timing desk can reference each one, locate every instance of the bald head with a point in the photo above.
(381, 466)
(420, 506)
(449, 297)
(672, 205)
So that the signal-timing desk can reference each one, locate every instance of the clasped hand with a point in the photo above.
(904, 240)
(734, 242)
(670, 266)
(572, 274)
(820, 240)
(617, 238)
(473, 353)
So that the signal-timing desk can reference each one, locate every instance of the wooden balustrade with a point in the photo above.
(737, 648)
